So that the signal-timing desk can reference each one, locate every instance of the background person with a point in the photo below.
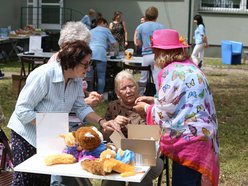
(142, 19)
(87, 18)
(70, 32)
(138, 49)
(119, 30)
(200, 32)
(93, 21)
(121, 112)
(52, 87)
(1, 74)
(101, 37)
(184, 109)
(144, 32)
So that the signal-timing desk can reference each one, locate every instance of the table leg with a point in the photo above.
(14, 50)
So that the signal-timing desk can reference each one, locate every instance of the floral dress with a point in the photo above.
(119, 34)
(185, 110)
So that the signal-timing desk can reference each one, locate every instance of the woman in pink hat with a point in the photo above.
(184, 108)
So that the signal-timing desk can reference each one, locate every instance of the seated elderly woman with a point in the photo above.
(121, 111)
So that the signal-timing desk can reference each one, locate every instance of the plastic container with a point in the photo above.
(4, 32)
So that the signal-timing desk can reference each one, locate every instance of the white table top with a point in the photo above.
(3, 39)
(134, 59)
(25, 36)
(36, 164)
(49, 143)
(38, 55)
(19, 37)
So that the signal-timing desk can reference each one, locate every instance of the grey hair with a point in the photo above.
(73, 31)
(124, 74)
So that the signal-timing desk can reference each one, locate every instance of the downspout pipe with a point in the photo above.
(189, 21)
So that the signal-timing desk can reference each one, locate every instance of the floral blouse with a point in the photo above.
(185, 110)
(119, 34)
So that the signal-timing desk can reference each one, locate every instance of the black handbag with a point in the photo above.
(150, 89)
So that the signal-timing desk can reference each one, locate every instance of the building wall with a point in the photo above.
(172, 13)
(10, 12)
(226, 27)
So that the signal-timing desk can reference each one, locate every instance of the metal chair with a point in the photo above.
(167, 171)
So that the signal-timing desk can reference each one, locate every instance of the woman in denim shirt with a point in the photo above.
(52, 87)
(101, 37)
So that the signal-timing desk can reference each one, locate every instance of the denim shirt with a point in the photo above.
(100, 38)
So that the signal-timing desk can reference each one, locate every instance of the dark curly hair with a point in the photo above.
(73, 53)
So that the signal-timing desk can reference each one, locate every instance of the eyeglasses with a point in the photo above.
(86, 65)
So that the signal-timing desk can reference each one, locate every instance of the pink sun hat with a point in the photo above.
(167, 39)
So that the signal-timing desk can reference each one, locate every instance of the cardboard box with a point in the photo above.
(143, 140)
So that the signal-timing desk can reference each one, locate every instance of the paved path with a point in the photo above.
(9, 74)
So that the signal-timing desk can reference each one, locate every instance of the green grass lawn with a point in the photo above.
(230, 89)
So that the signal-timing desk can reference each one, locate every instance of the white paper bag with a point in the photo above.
(35, 44)
(49, 127)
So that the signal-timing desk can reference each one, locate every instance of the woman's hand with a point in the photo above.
(140, 108)
(110, 125)
(94, 99)
(121, 120)
(146, 99)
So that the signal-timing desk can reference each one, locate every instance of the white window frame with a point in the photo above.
(242, 9)
(36, 19)
(52, 26)
(32, 3)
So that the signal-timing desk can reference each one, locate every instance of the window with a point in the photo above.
(234, 6)
(45, 14)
